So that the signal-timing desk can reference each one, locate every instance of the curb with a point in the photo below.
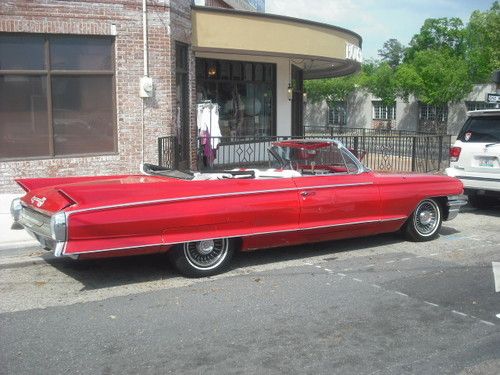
(17, 245)
(26, 259)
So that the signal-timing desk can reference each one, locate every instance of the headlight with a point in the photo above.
(58, 227)
(16, 208)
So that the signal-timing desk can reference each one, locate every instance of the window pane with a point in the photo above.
(237, 76)
(21, 52)
(83, 114)
(23, 117)
(81, 53)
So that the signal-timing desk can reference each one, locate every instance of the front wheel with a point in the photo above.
(202, 258)
(425, 221)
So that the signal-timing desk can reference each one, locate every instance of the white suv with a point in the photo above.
(475, 157)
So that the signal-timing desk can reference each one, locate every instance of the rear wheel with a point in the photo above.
(202, 258)
(425, 221)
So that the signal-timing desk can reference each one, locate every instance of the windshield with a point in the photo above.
(481, 129)
(314, 159)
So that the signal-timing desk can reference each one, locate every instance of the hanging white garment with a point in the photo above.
(215, 132)
(203, 118)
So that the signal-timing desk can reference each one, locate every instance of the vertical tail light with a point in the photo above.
(455, 153)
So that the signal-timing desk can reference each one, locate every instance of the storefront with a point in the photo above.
(253, 69)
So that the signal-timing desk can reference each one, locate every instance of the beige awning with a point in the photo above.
(322, 50)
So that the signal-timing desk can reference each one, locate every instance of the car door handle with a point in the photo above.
(306, 193)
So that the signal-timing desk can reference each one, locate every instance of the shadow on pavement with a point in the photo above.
(105, 273)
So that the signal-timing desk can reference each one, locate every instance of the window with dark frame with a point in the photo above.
(337, 114)
(56, 96)
(245, 92)
(433, 113)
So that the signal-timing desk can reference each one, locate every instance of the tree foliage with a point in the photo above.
(444, 34)
(436, 77)
(392, 52)
(379, 79)
(483, 43)
(330, 90)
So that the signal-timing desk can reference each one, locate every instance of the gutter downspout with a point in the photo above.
(146, 67)
(145, 37)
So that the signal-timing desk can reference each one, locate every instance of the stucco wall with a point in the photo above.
(360, 111)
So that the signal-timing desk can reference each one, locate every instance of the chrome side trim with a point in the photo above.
(209, 196)
(197, 197)
(245, 235)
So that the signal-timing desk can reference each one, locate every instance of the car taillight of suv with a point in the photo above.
(455, 153)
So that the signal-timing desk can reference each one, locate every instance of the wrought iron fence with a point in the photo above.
(402, 153)
(333, 131)
(168, 153)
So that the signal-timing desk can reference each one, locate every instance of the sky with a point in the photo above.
(377, 20)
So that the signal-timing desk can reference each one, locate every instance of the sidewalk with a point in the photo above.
(11, 239)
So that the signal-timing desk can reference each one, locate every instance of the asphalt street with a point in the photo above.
(375, 305)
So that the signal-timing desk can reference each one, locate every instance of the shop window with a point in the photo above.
(62, 109)
(237, 73)
(246, 100)
(383, 112)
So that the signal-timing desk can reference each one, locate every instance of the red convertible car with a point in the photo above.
(317, 191)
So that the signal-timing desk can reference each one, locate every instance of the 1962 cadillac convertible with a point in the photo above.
(318, 191)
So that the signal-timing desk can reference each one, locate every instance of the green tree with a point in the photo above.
(438, 34)
(379, 79)
(392, 52)
(330, 90)
(436, 77)
(482, 39)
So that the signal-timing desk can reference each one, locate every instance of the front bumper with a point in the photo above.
(454, 203)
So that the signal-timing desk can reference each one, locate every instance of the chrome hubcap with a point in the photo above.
(427, 217)
(205, 247)
(207, 254)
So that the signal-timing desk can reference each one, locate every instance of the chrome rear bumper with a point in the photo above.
(454, 203)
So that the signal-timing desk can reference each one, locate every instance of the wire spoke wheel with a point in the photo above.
(426, 218)
(206, 255)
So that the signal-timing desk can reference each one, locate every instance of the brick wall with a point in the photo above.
(168, 21)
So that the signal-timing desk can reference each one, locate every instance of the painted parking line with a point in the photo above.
(496, 275)
(408, 296)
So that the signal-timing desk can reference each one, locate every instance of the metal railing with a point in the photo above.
(391, 153)
(334, 130)
(168, 153)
